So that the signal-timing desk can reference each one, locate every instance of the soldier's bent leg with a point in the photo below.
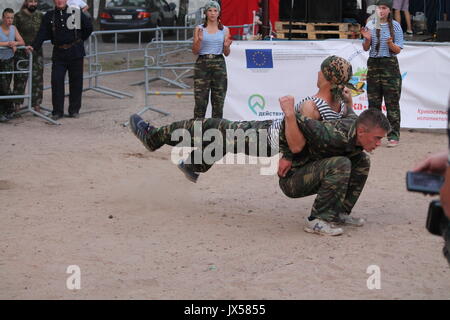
(240, 137)
(59, 69)
(194, 128)
(358, 177)
(328, 178)
(75, 85)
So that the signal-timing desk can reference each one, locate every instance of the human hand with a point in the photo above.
(199, 33)
(436, 163)
(287, 105)
(29, 49)
(390, 41)
(366, 33)
(227, 43)
(284, 166)
(347, 93)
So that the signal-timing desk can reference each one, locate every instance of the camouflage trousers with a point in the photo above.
(20, 79)
(384, 81)
(247, 137)
(6, 65)
(210, 75)
(337, 181)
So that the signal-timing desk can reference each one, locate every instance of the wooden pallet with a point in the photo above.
(314, 31)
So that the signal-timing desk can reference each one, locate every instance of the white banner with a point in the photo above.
(260, 72)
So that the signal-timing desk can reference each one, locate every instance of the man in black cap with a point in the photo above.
(67, 29)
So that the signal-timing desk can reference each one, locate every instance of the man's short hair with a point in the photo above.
(7, 10)
(373, 118)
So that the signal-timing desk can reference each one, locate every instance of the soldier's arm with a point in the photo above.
(86, 27)
(350, 113)
(296, 141)
(44, 33)
(283, 145)
(322, 133)
(309, 109)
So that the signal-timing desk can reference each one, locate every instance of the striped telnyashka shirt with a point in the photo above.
(385, 35)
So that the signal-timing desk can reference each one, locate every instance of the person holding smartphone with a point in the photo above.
(439, 163)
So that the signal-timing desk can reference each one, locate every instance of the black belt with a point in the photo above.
(210, 56)
(68, 45)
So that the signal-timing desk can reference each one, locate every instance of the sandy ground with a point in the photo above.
(87, 193)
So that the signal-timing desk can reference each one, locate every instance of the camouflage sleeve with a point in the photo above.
(324, 134)
(16, 21)
(283, 145)
(350, 113)
(44, 33)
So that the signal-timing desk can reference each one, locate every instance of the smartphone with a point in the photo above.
(426, 183)
(437, 221)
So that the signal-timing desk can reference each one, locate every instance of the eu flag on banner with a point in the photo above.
(259, 58)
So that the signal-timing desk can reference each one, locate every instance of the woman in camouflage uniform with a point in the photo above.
(9, 40)
(28, 21)
(211, 42)
(383, 75)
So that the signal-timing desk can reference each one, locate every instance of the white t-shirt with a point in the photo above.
(77, 3)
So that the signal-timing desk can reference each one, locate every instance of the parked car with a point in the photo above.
(136, 14)
(45, 5)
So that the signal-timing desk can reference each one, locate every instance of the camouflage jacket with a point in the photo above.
(28, 25)
(324, 139)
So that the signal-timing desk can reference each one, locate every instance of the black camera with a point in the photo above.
(437, 221)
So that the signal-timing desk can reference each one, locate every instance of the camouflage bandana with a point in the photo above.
(387, 3)
(212, 4)
(338, 71)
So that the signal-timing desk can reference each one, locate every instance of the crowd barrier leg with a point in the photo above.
(29, 94)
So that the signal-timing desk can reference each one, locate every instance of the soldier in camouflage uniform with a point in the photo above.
(211, 42)
(28, 21)
(332, 165)
(383, 75)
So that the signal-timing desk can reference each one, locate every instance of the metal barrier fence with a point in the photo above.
(155, 53)
(18, 69)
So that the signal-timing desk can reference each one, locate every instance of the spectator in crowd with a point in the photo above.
(10, 38)
(211, 41)
(68, 54)
(28, 21)
(439, 163)
(403, 5)
(383, 76)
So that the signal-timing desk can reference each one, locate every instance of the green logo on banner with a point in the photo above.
(256, 101)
